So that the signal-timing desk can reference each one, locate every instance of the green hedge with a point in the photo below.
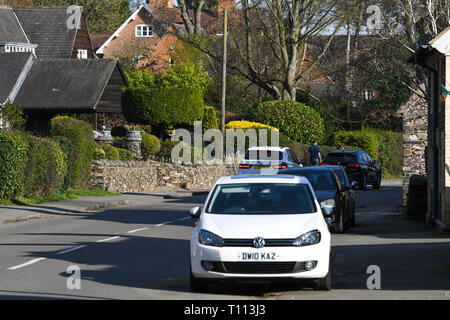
(364, 139)
(125, 155)
(111, 152)
(296, 120)
(46, 167)
(76, 139)
(150, 145)
(13, 160)
(162, 106)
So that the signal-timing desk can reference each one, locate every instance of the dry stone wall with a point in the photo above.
(146, 176)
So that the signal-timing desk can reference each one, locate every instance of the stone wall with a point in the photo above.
(415, 133)
(146, 176)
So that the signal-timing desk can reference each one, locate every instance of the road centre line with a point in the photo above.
(108, 239)
(26, 264)
(72, 249)
(137, 230)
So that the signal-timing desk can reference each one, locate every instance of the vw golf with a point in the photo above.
(260, 227)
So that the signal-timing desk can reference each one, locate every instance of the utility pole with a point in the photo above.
(224, 78)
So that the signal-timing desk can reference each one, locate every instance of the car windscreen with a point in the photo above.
(320, 181)
(261, 198)
(340, 158)
(264, 155)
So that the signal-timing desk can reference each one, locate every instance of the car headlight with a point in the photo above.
(210, 239)
(308, 239)
(330, 203)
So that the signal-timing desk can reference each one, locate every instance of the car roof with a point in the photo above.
(263, 179)
(307, 169)
(345, 151)
(269, 148)
(333, 166)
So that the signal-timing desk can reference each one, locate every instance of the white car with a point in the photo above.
(260, 227)
(267, 161)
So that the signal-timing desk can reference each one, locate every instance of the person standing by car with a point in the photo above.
(314, 154)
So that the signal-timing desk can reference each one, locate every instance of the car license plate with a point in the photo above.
(262, 167)
(258, 256)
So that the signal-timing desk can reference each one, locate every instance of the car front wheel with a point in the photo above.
(324, 284)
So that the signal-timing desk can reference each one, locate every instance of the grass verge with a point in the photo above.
(57, 196)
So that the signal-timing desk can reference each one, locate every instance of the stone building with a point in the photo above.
(415, 134)
(435, 58)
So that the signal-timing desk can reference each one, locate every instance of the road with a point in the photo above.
(142, 252)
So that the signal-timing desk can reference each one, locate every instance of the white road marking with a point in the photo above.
(164, 223)
(72, 249)
(137, 230)
(108, 239)
(26, 264)
(182, 219)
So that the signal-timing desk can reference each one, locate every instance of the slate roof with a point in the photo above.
(11, 67)
(10, 30)
(48, 28)
(69, 84)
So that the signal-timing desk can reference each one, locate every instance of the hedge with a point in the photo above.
(162, 106)
(150, 145)
(46, 167)
(247, 125)
(296, 120)
(13, 160)
(364, 139)
(125, 155)
(111, 152)
(77, 141)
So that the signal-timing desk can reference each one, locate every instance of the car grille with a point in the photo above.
(263, 267)
(268, 243)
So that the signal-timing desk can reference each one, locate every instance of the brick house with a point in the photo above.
(435, 58)
(149, 34)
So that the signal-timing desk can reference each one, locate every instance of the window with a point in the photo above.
(82, 54)
(144, 30)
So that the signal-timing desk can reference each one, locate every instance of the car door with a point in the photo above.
(291, 159)
(342, 202)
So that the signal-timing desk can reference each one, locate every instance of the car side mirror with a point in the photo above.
(327, 211)
(195, 212)
(354, 184)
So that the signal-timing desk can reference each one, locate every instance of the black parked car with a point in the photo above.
(358, 165)
(333, 197)
(345, 182)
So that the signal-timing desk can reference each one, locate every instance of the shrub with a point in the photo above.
(162, 106)
(125, 155)
(46, 167)
(119, 142)
(247, 125)
(13, 159)
(13, 115)
(210, 120)
(76, 140)
(296, 120)
(99, 154)
(364, 139)
(119, 131)
(111, 152)
(166, 148)
(150, 145)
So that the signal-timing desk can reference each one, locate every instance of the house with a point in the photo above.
(149, 34)
(49, 68)
(435, 58)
